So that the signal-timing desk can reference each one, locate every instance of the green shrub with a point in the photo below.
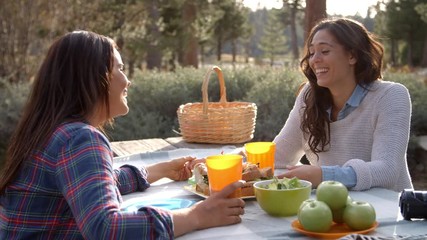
(274, 94)
(154, 98)
(418, 91)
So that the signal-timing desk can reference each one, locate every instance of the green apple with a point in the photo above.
(359, 215)
(310, 200)
(315, 216)
(337, 215)
(333, 193)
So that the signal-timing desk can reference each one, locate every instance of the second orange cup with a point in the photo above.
(223, 170)
(261, 153)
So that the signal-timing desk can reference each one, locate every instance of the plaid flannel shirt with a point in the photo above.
(69, 190)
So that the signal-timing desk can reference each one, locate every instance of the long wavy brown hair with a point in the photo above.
(71, 84)
(354, 37)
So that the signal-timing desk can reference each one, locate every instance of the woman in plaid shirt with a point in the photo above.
(58, 181)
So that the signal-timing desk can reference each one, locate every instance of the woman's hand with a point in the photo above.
(310, 173)
(178, 169)
(194, 162)
(216, 210)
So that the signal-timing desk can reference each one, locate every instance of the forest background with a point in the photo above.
(167, 46)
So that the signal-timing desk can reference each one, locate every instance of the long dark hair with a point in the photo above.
(72, 81)
(354, 37)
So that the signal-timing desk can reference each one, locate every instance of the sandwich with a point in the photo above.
(250, 173)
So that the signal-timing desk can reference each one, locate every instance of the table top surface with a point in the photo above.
(256, 224)
(124, 148)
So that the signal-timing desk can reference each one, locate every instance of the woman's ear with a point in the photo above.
(352, 58)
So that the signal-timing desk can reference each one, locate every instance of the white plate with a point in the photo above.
(192, 188)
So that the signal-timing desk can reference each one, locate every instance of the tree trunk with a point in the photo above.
(234, 50)
(180, 51)
(172, 66)
(393, 52)
(294, 37)
(410, 56)
(154, 54)
(315, 10)
(218, 48)
(247, 51)
(190, 55)
(202, 54)
(424, 58)
(131, 64)
(154, 58)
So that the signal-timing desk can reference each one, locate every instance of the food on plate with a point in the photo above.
(200, 172)
(250, 173)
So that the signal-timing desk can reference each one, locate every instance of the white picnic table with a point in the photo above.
(257, 224)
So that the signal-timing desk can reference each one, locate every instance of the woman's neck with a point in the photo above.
(341, 95)
(96, 119)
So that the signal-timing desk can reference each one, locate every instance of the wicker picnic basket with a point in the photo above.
(217, 122)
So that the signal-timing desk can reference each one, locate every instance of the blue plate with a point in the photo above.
(133, 205)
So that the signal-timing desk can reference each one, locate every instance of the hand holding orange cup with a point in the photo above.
(261, 153)
(223, 170)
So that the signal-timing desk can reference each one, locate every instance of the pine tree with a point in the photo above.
(273, 40)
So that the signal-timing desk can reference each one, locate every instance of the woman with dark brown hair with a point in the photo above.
(58, 181)
(352, 126)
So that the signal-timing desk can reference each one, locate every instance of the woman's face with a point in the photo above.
(332, 64)
(118, 88)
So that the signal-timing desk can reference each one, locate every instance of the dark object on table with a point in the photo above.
(413, 204)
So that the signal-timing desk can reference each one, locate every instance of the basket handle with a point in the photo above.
(222, 92)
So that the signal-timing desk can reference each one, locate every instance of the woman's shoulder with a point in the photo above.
(385, 94)
(74, 134)
(69, 130)
(303, 89)
(69, 127)
(387, 88)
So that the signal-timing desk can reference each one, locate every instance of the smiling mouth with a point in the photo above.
(321, 70)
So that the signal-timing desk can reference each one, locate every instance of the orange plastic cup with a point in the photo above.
(223, 170)
(261, 153)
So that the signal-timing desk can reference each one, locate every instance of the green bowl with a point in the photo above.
(284, 202)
